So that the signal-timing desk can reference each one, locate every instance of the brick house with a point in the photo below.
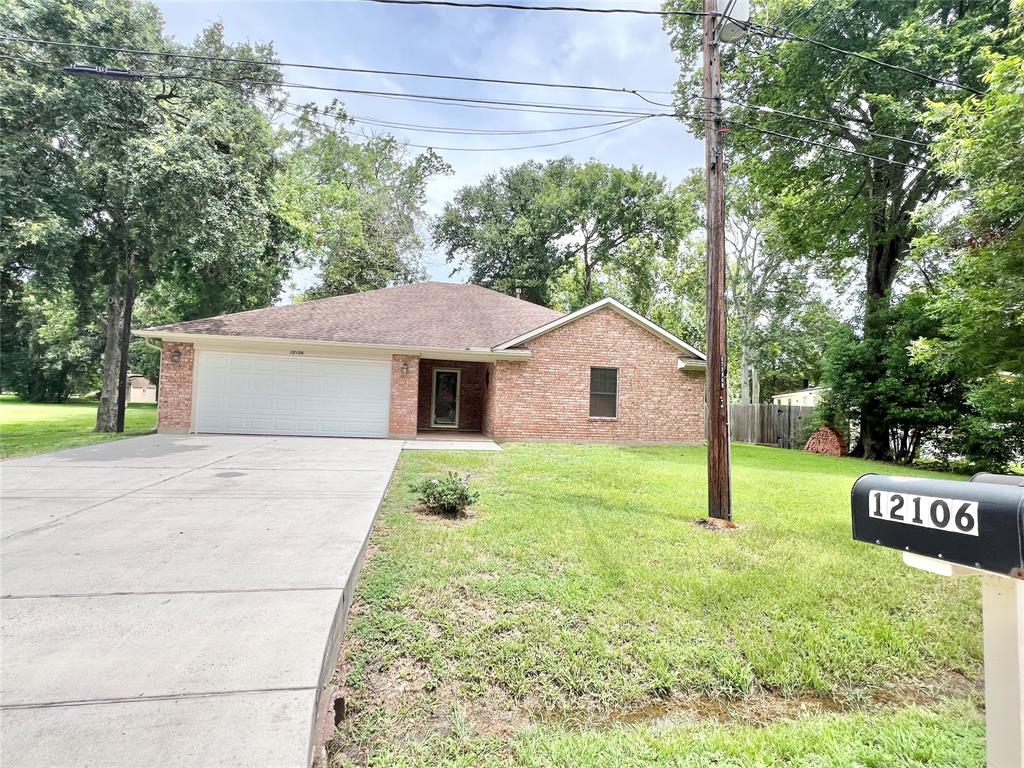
(431, 358)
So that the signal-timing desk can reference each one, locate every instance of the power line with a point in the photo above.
(481, 131)
(628, 124)
(819, 121)
(443, 129)
(384, 123)
(797, 116)
(763, 30)
(766, 31)
(624, 124)
(635, 92)
(463, 101)
(799, 14)
(518, 7)
(779, 33)
(774, 32)
(829, 147)
(460, 100)
(491, 104)
(323, 67)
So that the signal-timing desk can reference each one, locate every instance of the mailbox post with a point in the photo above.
(956, 528)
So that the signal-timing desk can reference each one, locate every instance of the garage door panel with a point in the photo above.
(262, 394)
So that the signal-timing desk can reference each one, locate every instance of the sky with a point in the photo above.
(614, 50)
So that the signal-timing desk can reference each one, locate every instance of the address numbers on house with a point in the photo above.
(938, 513)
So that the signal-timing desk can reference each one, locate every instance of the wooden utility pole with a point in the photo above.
(126, 337)
(719, 490)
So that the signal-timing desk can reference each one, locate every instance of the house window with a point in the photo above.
(604, 393)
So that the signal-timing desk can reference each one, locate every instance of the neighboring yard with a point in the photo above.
(581, 618)
(27, 428)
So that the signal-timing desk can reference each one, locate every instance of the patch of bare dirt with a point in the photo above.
(761, 708)
(715, 525)
(944, 686)
(448, 521)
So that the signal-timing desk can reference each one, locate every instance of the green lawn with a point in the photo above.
(27, 428)
(581, 618)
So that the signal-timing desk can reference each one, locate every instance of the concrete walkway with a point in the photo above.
(178, 600)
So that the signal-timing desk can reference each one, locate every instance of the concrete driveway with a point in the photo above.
(178, 600)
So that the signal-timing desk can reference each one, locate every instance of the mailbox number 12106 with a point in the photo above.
(952, 515)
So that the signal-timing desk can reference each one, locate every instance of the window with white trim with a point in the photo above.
(604, 393)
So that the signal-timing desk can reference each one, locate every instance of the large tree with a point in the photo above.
(917, 402)
(562, 228)
(355, 204)
(980, 302)
(778, 319)
(849, 212)
(113, 187)
(770, 299)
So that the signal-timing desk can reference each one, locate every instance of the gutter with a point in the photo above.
(212, 340)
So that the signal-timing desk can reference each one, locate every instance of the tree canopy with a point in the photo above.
(172, 198)
(560, 229)
(116, 189)
(853, 209)
(979, 303)
(357, 207)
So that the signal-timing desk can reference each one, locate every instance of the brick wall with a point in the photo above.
(404, 396)
(174, 412)
(471, 392)
(548, 396)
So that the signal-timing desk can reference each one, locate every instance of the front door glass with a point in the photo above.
(446, 398)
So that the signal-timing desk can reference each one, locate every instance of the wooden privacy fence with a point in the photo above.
(768, 424)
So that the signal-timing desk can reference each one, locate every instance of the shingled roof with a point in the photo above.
(435, 315)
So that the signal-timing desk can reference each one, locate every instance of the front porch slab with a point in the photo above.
(455, 442)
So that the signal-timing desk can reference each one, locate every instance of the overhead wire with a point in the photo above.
(797, 116)
(385, 123)
(631, 117)
(635, 92)
(478, 131)
(625, 124)
(764, 30)
(542, 8)
(780, 33)
(823, 145)
(322, 67)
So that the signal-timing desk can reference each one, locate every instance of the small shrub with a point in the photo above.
(449, 495)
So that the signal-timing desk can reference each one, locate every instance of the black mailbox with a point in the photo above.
(988, 477)
(978, 524)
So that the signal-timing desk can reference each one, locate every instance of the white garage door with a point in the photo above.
(272, 395)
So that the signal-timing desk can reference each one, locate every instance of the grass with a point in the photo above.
(580, 617)
(27, 428)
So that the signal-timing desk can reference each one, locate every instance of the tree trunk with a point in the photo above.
(126, 337)
(883, 260)
(744, 376)
(755, 385)
(106, 414)
(588, 270)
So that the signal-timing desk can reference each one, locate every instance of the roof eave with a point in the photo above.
(436, 353)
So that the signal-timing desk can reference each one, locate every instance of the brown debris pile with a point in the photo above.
(827, 441)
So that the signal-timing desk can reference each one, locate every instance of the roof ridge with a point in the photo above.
(427, 313)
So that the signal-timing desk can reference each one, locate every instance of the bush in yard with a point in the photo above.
(449, 495)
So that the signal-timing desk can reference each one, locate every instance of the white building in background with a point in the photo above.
(807, 397)
(140, 389)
